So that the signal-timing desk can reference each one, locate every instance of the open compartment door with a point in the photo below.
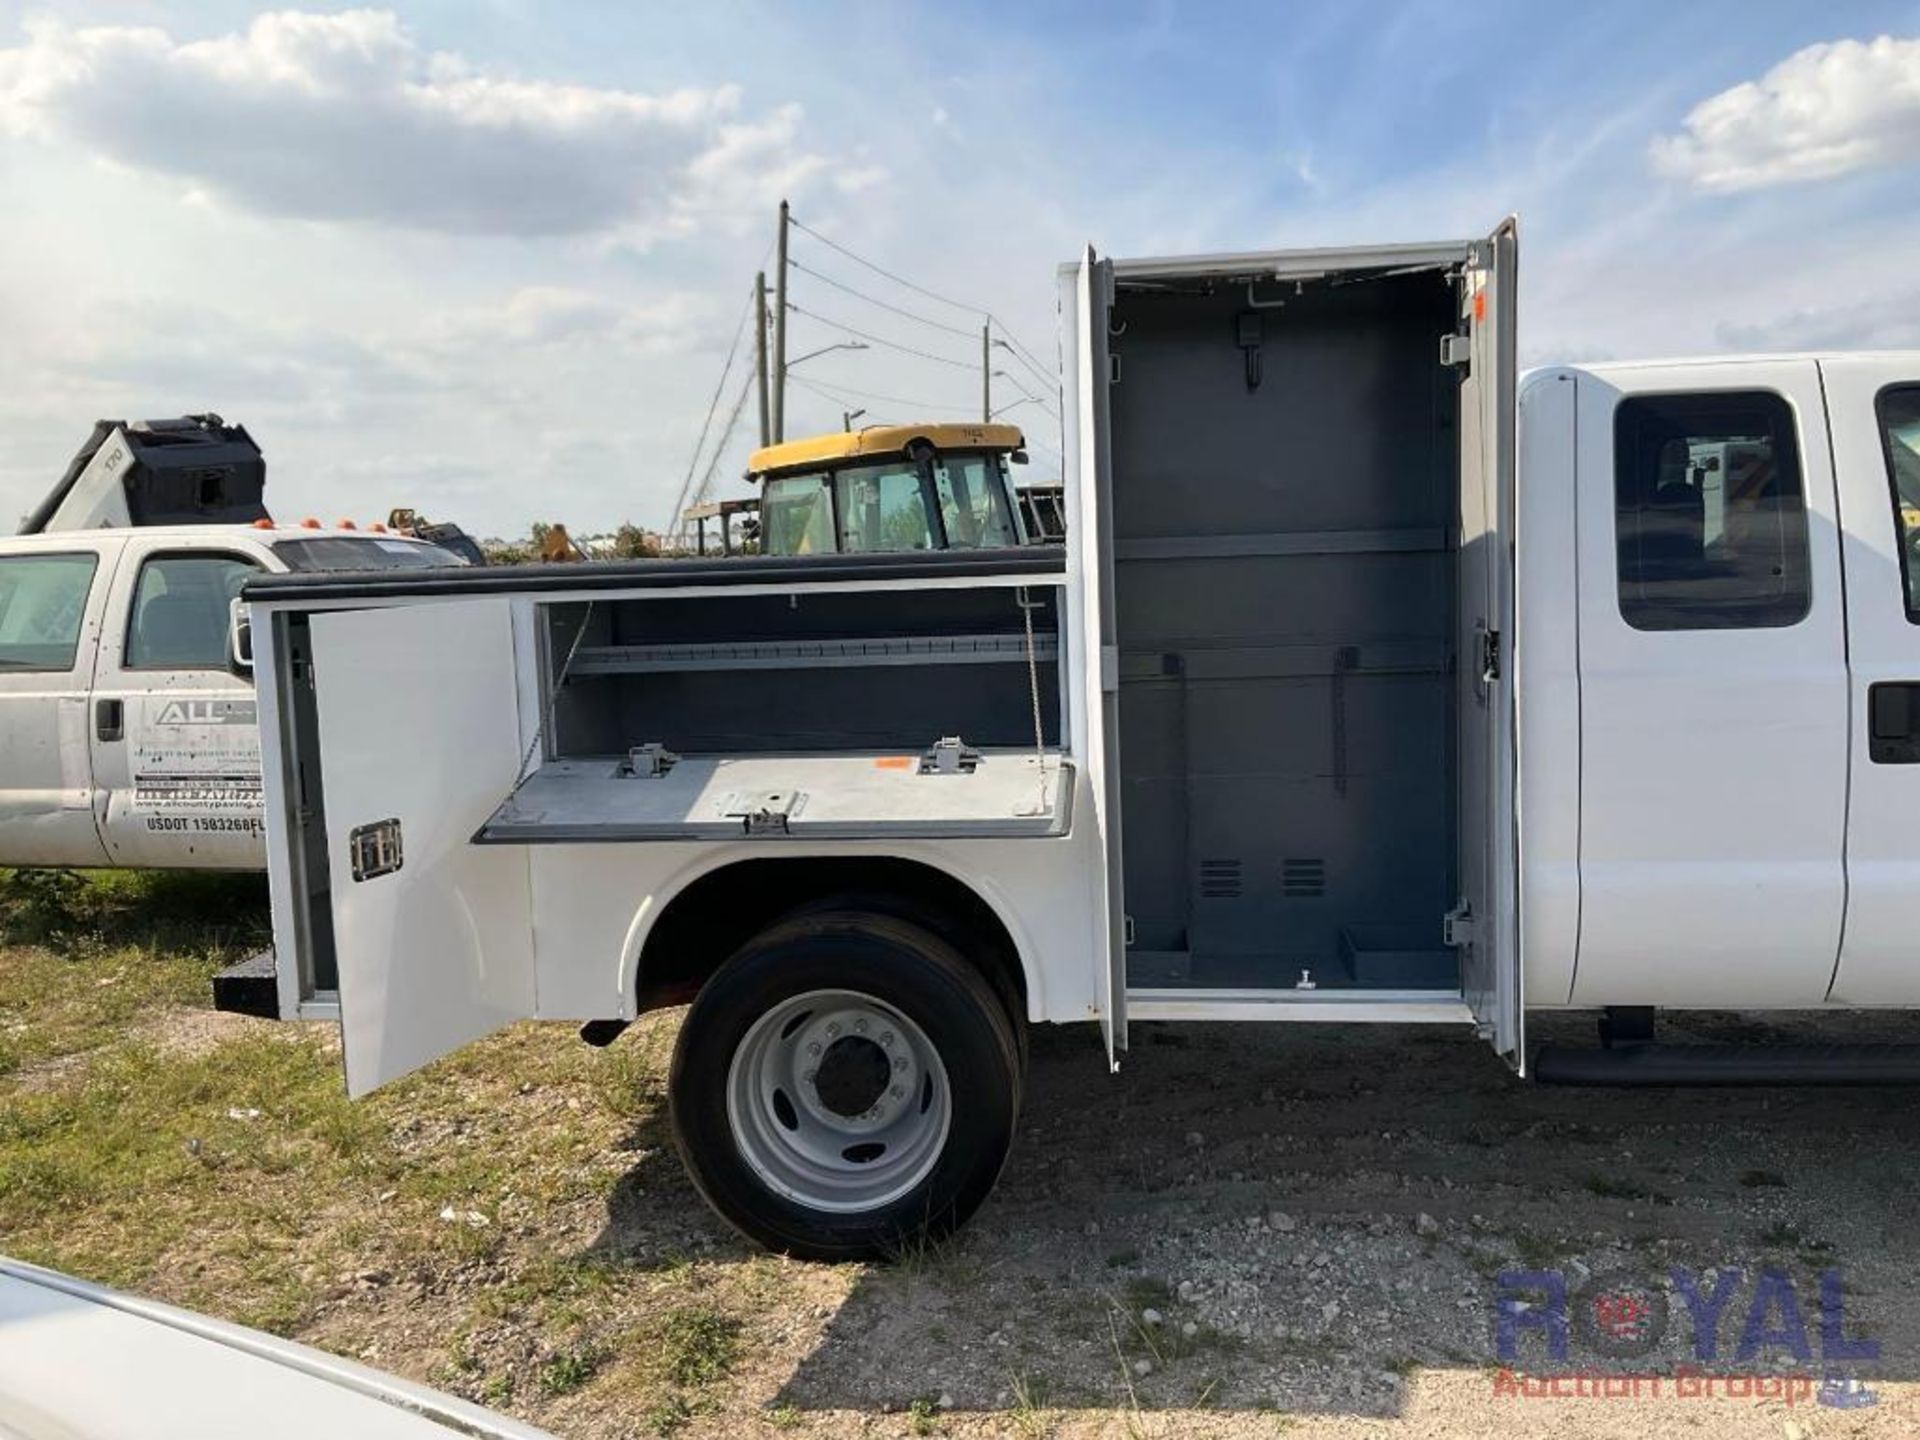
(1086, 297)
(1485, 927)
(419, 737)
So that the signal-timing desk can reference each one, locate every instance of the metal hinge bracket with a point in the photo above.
(1456, 927)
(949, 755)
(648, 762)
(1489, 656)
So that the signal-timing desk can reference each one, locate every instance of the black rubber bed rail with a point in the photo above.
(1672, 1065)
(1027, 561)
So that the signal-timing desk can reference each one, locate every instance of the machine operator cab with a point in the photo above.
(891, 487)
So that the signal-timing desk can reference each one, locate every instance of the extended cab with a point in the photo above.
(1373, 684)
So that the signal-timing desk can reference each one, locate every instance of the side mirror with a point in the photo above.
(239, 637)
(1019, 457)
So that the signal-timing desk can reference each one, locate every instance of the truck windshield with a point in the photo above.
(371, 552)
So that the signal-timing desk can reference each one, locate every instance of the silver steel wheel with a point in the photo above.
(838, 1101)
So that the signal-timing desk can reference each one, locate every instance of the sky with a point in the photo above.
(487, 258)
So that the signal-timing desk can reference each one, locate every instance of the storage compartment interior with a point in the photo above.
(816, 712)
(1285, 502)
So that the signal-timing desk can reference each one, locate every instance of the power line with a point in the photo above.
(733, 419)
(825, 391)
(882, 340)
(872, 300)
(1014, 349)
(1013, 340)
(881, 270)
(693, 461)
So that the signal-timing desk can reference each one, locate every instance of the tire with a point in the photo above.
(949, 926)
(809, 1022)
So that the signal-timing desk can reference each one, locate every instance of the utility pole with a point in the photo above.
(760, 353)
(780, 334)
(986, 372)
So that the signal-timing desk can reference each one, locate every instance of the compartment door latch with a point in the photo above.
(1456, 927)
(374, 850)
(1456, 349)
(764, 812)
(1489, 656)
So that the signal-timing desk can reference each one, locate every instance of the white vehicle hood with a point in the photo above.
(78, 1362)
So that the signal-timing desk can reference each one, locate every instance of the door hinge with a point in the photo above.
(1456, 927)
(1456, 349)
(1489, 656)
(949, 755)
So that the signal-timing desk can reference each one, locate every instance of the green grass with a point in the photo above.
(216, 1162)
(700, 1345)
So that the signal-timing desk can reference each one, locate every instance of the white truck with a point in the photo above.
(127, 725)
(1372, 684)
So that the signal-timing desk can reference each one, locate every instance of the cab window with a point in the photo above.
(43, 599)
(1899, 411)
(181, 608)
(796, 516)
(884, 507)
(973, 507)
(1709, 512)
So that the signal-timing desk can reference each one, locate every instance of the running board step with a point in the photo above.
(1728, 1065)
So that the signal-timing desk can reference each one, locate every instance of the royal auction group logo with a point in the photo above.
(1757, 1336)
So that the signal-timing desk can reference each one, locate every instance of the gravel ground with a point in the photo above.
(1254, 1230)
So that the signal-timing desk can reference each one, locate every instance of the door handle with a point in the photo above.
(109, 719)
(1893, 723)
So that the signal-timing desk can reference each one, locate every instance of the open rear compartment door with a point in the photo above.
(418, 738)
(1485, 926)
(1086, 299)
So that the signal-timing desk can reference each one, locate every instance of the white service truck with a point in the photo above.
(1373, 683)
(127, 720)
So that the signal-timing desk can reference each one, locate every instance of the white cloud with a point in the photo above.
(1824, 111)
(346, 117)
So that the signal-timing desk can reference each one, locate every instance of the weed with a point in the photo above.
(784, 1416)
(1029, 1401)
(666, 1417)
(700, 1344)
(923, 1414)
(569, 1369)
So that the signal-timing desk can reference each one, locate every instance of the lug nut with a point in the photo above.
(833, 1028)
(886, 1037)
(861, 1026)
(814, 1049)
(899, 1062)
(897, 1093)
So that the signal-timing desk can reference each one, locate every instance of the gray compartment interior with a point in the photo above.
(817, 671)
(1285, 606)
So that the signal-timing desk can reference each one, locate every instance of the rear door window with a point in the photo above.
(181, 609)
(43, 600)
(1709, 511)
(1899, 412)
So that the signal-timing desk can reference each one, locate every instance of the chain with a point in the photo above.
(1027, 606)
(553, 696)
